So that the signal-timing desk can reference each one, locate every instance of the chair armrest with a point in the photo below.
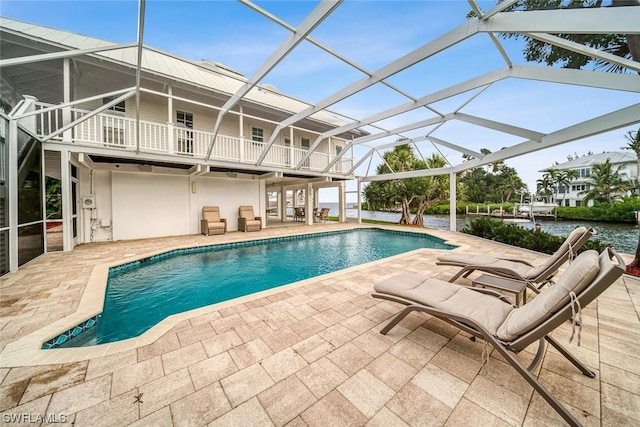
(225, 224)
(258, 218)
(204, 227)
(242, 224)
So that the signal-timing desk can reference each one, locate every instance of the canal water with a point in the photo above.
(622, 237)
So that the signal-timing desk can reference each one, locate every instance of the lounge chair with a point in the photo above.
(211, 223)
(518, 269)
(298, 214)
(485, 314)
(247, 221)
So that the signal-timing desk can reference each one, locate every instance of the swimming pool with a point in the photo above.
(141, 294)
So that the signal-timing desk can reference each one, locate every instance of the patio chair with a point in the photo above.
(484, 313)
(298, 214)
(211, 223)
(247, 221)
(323, 215)
(518, 269)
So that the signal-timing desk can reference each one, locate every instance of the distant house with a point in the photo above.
(583, 165)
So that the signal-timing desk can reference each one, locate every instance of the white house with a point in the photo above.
(70, 103)
(570, 196)
(141, 140)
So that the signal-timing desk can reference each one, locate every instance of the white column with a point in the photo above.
(292, 160)
(308, 208)
(66, 96)
(283, 204)
(342, 203)
(452, 201)
(67, 209)
(13, 195)
(240, 132)
(170, 125)
(359, 187)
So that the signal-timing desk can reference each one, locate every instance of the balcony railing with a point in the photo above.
(118, 132)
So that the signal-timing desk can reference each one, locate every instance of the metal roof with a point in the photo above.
(153, 60)
(615, 157)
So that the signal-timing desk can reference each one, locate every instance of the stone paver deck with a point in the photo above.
(304, 354)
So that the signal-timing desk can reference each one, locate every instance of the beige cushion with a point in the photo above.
(216, 225)
(246, 212)
(464, 259)
(571, 239)
(486, 310)
(211, 213)
(253, 222)
(578, 275)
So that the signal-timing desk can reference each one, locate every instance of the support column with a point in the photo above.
(359, 187)
(452, 201)
(342, 203)
(283, 204)
(67, 209)
(240, 132)
(308, 204)
(66, 97)
(13, 194)
(171, 145)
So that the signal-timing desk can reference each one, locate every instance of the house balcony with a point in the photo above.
(119, 133)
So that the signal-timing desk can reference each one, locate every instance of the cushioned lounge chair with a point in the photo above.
(485, 314)
(247, 221)
(211, 222)
(517, 269)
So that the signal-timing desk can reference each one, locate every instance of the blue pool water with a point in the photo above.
(140, 296)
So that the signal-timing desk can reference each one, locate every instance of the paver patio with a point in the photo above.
(308, 354)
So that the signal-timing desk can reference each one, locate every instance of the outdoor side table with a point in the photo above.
(516, 286)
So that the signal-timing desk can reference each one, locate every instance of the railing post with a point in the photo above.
(241, 149)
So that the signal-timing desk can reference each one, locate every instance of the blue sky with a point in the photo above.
(371, 33)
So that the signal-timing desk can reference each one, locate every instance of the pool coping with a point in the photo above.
(28, 351)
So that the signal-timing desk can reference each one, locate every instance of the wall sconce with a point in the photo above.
(193, 187)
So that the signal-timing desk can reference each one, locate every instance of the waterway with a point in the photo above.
(622, 237)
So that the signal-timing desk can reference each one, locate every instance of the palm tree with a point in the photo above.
(564, 179)
(634, 145)
(544, 186)
(606, 183)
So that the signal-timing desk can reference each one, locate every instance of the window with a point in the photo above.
(257, 134)
(585, 173)
(184, 121)
(119, 108)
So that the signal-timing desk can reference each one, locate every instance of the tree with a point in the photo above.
(409, 193)
(399, 192)
(564, 179)
(432, 189)
(544, 186)
(626, 46)
(606, 184)
(634, 145)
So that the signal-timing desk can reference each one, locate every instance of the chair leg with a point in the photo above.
(393, 322)
(528, 376)
(571, 358)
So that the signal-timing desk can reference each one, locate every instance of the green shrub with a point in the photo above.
(619, 211)
(511, 234)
